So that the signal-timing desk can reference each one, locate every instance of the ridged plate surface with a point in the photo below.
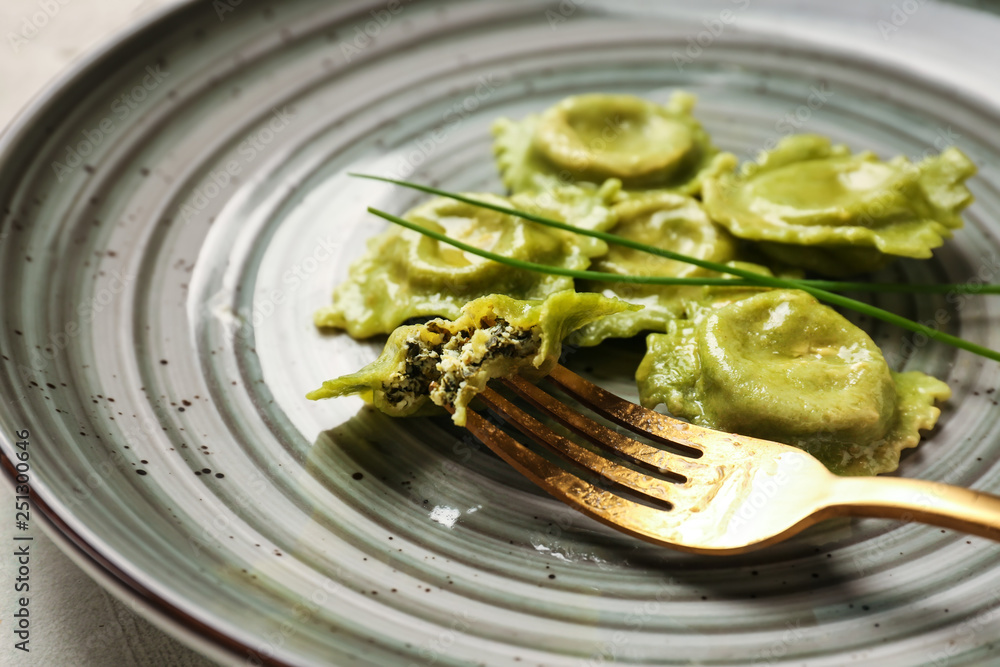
(173, 214)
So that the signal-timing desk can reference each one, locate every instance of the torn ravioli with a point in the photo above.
(446, 363)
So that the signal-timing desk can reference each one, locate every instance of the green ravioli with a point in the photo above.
(779, 365)
(592, 138)
(664, 220)
(446, 363)
(816, 206)
(768, 363)
(405, 274)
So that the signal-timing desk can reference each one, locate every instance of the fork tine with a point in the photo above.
(642, 521)
(689, 529)
(644, 484)
(617, 443)
(669, 431)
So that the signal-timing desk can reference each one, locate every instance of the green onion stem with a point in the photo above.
(579, 274)
(828, 285)
(749, 276)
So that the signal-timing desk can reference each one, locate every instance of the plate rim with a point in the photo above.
(195, 633)
(170, 618)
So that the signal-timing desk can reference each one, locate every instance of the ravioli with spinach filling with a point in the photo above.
(591, 138)
(405, 274)
(816, 206)
(664, 220)
(779, 365)
(446, 363)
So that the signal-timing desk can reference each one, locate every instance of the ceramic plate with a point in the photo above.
(174, 212)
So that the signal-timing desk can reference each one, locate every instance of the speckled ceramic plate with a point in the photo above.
(174, 211)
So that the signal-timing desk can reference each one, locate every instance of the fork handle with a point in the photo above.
(928, 502)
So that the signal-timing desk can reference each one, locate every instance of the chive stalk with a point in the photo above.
(817, 289)
(756, 279)
(828, 285)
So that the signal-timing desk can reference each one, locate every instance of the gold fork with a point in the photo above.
(715, 493)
